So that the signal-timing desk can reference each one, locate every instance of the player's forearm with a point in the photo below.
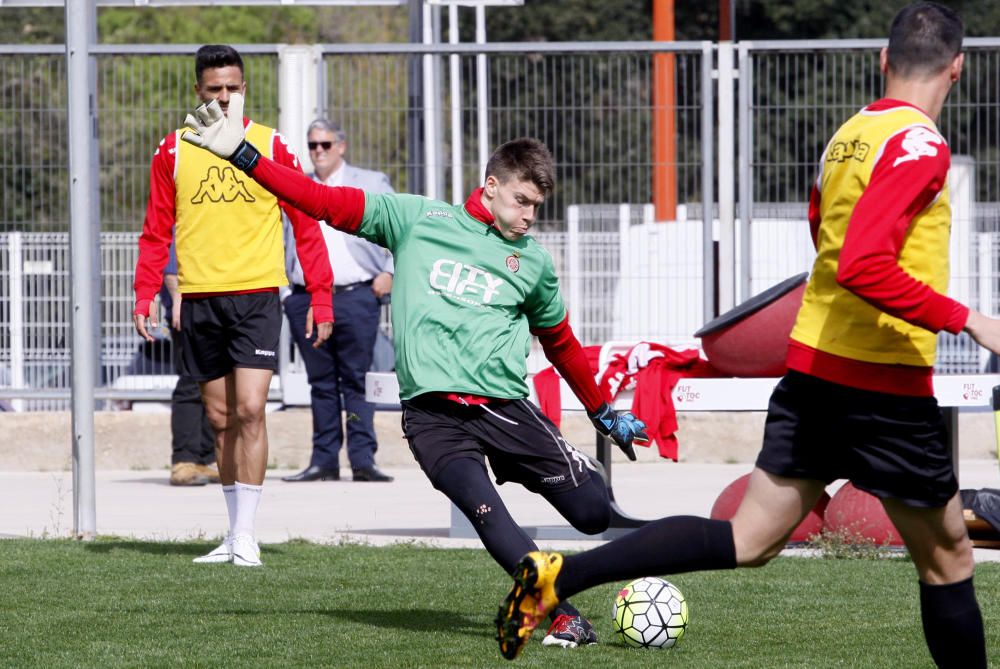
(312, 253)
(564, 351)
(341, 207)
(985, 330)
(157, 229)
(154, 251)
(580, 380)
(880, 281)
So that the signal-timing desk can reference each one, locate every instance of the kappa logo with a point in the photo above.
(458, 279)
(439, 213)
(918, 142)
(841, 151)
(222, 186)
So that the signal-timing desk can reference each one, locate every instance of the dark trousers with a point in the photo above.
(336, 372)
(192, 436)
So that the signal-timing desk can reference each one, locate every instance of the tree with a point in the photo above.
(845, 19)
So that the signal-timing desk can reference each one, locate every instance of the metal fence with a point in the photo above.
(626, 274)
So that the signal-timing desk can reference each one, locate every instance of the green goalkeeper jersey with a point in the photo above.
(463, 297)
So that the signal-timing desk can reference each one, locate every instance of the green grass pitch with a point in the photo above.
(125, 603)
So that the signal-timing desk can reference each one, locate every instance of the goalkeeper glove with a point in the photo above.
(622, 428)
(222, 134)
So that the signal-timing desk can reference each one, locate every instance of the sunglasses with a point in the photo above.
(315, 145)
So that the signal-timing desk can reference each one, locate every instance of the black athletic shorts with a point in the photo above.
(892, 446)
(521, 443)
(221, 332)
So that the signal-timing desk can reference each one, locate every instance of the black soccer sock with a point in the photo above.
(953, 625)
(665, 546)
(466, 484)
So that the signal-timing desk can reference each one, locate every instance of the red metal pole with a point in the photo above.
(664, 116)
(726, 28)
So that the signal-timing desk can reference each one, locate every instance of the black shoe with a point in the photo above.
(314, 473)
(370, 474)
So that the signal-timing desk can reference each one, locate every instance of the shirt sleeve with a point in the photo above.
(388, 264)
(903, 183)
(158, 226)
(564, 351)
(389, 217)
(310, 247)
(341, 207)
(381, 184)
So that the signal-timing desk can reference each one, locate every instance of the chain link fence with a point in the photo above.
(626, 273)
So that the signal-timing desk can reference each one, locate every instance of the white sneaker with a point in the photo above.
(246, 552)
(221, 553)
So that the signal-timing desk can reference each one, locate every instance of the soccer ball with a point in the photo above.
(650, 613)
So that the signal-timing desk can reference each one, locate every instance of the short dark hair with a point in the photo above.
(525, 159)
(924, 39)
(212, 56)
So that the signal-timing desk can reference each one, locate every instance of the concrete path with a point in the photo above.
(141, 505)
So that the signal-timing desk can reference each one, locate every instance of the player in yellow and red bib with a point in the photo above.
(880, 218)
(231, 261)
(857, 401)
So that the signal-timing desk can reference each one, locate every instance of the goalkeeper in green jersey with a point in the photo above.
(471, 287)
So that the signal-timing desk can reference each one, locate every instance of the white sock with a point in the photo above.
(229, 492)
(247, 498)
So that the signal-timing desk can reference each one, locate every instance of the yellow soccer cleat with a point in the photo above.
(529, 601)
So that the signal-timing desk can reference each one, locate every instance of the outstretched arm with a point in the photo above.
(564, 351)
(341, 207)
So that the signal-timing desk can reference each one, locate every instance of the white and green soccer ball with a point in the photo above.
(650, 613)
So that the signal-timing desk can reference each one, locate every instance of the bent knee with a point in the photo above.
(758, 559)
(756, 553)
(594, 522)
(941, 565)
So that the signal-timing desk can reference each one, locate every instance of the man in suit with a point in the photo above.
(336, 369)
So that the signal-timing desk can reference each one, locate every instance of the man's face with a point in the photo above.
(218, 83)
(326, 153)
(514, 204)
